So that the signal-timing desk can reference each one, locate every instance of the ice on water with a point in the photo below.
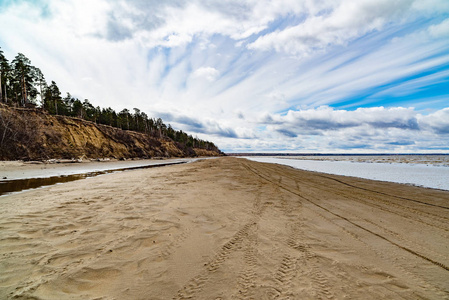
(421, 170)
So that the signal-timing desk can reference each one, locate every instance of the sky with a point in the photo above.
(301, 76)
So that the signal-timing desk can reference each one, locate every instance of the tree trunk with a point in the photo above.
(24, 92)
(1, 88)
(42, 99)
(6, 95)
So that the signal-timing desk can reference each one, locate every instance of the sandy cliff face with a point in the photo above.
(31, 134)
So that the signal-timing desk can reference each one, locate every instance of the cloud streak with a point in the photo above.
(209, 127)
(342, 22)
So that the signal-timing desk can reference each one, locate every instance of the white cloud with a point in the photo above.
(375, 129)
(343, 22)
(429, 7)
(437, 121)
(440, 30)
(325, 118)
(208, 73)
(176, 23)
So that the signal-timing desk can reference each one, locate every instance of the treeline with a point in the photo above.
(22, 84)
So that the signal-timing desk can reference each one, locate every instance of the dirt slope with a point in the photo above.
(31, 134)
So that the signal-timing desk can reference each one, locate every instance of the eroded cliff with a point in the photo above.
(33, 134)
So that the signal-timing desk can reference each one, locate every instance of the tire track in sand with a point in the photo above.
(424, 257)
(246, 235)
(246, 280)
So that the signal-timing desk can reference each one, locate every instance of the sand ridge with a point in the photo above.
(225, 228)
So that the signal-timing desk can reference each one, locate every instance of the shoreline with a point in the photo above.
(14, 170)
(225, 228)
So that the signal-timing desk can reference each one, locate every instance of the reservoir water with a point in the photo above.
(425, 175)
(19, 180)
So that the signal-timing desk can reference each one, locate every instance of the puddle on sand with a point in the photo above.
(17, 185)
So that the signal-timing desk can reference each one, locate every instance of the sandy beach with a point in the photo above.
(11, 170)
(225, 228)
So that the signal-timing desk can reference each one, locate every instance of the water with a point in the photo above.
(424, 175)
(51, 170)
(71, 173)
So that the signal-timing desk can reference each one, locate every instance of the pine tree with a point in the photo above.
(124, 117)
(5, 70)
(52, 99)
(23, 77)
(77, 109)
(40, 81)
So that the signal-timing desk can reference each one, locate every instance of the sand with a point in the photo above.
(11, 170)
(225, 228)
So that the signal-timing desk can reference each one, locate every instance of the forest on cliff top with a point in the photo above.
(24, 85)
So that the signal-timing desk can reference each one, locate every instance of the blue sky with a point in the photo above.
(253, 76)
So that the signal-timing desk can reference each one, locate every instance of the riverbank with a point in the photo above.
(225, 228)
(12, 170)
(32, 134)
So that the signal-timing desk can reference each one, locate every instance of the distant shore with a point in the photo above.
(328, 154)
(225, 228)
(434, 158)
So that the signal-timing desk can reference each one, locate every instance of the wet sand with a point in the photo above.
(13, 170)
(225, 228)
